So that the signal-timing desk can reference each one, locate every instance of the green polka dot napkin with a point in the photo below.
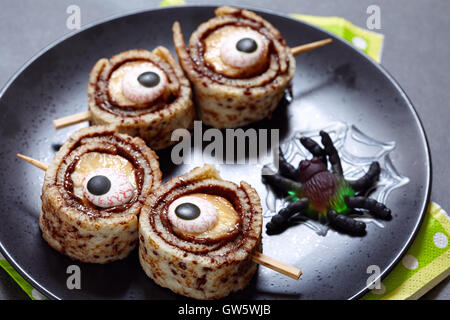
(425, 264)
(29, 290)
(427, 261)
(166, 3)
(369, 42)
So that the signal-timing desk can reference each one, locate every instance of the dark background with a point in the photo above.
(416, 53)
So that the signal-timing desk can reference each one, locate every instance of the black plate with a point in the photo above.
(337, 81)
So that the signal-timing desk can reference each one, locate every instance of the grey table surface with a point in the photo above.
(416, 52)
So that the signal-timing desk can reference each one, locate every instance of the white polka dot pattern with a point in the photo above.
(37, 295)
(359, 43)
(440, 240)
(410, 262)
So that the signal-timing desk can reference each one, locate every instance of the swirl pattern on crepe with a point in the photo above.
(229, 91)
(167, 254)
(73, 224)
(120, 92)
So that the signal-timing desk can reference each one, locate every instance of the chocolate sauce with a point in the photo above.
(202, 67)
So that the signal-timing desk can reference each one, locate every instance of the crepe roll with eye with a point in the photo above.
(239, 66)
(198, 234)
(143, 94)
(93, 192)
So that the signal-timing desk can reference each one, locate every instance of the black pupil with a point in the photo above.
(98, 185)
(187, 211)
(149, 79)
(247, 45)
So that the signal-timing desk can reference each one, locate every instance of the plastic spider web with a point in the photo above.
(347, 140)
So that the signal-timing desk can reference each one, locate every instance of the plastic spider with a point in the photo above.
(321, 193)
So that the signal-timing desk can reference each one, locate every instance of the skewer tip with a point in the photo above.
(34, 162)
(72, 119)
(310, 46)
(277, 266)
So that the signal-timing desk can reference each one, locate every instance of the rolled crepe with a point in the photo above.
(229, 96)
(114, 96)
(200, 267)
(75, 226)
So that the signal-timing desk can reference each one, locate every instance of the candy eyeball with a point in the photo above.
(243, 49)
(192, 214)
(144, 83)
(107, 187)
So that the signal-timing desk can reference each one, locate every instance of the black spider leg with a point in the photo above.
(280, 221)
(346, 224)
(280, 183)
(377, 209)
(285, 168)
(332, 153)
(363, 184)
(314, 148)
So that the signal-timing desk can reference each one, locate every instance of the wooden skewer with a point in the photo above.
(34, 162)
(257, 257)
(72, 119)
(310, 46)
(86, 115)
(276, 265)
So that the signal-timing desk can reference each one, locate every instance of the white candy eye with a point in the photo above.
(144, 83)
(107, 187)
(192, 214)
(243, 49)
